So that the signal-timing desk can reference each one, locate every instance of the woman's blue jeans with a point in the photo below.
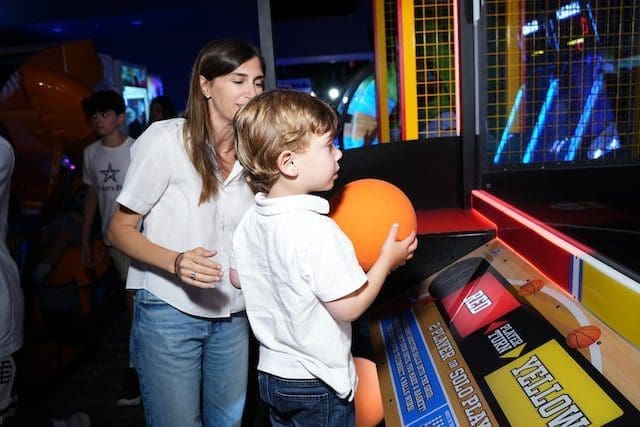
(304, 403)
(192, 370)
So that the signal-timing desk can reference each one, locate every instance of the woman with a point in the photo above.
(189, 338)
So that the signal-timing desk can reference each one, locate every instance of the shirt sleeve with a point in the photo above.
(150, 170)
(330, 265)
(232, 259)
(86, 168)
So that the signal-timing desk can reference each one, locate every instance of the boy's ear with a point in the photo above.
(286, 165)
(121, 118)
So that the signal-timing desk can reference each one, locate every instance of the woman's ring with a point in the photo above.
(193, 275)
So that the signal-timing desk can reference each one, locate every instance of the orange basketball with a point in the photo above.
(531, 287)
(365, 209)
(584, 336)
(368, 398)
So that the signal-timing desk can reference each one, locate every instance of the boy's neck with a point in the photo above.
(113, 140)
(285, 187)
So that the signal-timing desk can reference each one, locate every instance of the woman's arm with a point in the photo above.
(193, 267)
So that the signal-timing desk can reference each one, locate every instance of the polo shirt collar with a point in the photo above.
(279, 205)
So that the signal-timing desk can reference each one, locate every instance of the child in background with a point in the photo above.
(104, 166)
(301, 280)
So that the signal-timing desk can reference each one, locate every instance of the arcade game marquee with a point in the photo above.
(499, 337)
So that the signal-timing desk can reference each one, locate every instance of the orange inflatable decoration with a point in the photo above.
(40, 108)
(365, 209)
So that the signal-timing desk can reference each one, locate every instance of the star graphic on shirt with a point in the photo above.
(110, 173)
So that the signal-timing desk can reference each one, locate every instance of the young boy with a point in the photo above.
(104, 166)
(301, 280)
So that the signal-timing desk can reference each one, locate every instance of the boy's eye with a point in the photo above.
(102, 114)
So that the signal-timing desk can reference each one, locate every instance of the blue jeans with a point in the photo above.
(308, 403)
(192, 370)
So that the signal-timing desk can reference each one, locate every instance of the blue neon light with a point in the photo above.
(548, 101)
(594, 24)
(507, 129)
(530, 27)
(568, 10)
(584, 118)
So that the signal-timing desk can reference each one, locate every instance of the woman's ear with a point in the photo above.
(204, 86)
(286, 165)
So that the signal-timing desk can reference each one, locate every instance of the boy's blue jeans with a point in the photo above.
(192, 370)
(308, 403)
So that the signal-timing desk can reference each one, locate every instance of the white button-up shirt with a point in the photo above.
(164, 187)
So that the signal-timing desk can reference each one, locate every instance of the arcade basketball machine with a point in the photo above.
(500, 318)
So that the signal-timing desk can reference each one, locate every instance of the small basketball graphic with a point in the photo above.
(531, 287)
(583, 337)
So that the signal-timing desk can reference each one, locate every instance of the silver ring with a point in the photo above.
(193, 275)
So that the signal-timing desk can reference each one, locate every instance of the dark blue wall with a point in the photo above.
(170, 33)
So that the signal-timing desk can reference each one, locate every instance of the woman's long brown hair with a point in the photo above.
(217, 58)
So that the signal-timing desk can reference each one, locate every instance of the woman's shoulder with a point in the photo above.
(169, 125)
(163, 133)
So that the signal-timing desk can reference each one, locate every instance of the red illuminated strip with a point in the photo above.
(554, 236)
(548, 257)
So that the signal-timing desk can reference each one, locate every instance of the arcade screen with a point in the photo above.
(133, 75)
(568, 95)
(358, 113)
(154, 86)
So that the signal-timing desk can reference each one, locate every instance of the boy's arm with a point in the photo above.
(393, 254)
(88, 213)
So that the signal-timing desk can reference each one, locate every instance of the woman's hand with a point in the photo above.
(195, 268)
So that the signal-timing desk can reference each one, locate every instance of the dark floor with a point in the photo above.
(89, 380)
(94, 386)
(86, 376)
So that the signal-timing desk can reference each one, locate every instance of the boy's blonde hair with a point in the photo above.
(273, 122)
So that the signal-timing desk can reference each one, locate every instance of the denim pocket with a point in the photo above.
(304, 401)
(143, 296)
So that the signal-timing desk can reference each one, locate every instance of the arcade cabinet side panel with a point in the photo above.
(491, 339)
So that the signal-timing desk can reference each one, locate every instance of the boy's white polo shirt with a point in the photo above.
(291, 258)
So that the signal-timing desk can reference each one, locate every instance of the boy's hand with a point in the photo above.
(397, 253)
(195, 268)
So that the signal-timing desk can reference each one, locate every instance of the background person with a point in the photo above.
(189, 339)
(162, 108)
(139, 122)
(11, 296)
(104, 166)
